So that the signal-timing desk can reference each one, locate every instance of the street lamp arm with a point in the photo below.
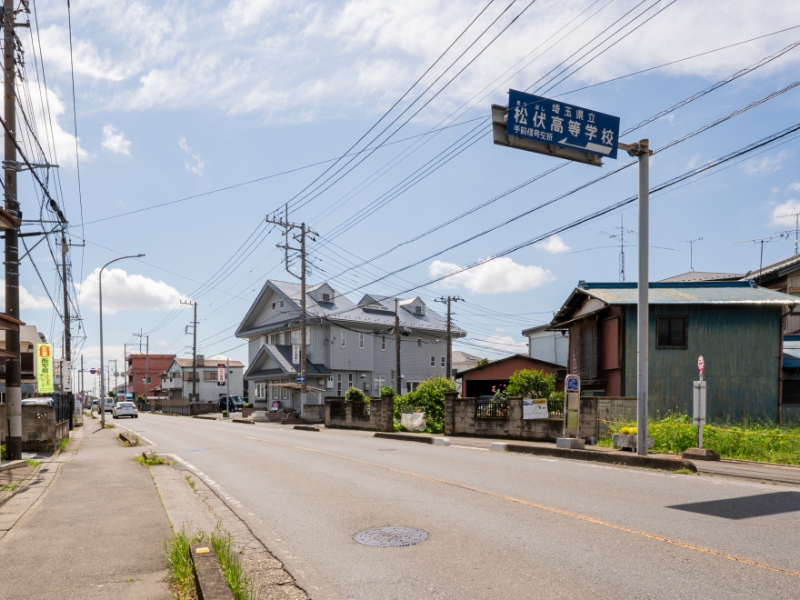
(100, 290)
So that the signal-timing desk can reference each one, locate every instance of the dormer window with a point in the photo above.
(418, 310)
(326, 297)
(273, 306)
(281, 303)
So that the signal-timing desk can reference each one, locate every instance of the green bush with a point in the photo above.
(353, 394)
(247, 405)
(428, 397)
(531, 383)
(387, 390)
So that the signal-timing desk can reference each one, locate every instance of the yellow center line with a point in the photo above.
(550, 509)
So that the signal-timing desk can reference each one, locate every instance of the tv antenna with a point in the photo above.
(796, 227)
(691, 250)
(621, 237)
(762, 241)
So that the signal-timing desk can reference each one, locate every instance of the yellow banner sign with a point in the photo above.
(44, 368)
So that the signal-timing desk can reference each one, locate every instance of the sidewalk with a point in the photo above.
(89, 525)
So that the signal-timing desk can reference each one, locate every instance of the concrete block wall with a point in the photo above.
(460, 419)
(381, 415)
(613, 409)
(40, 432)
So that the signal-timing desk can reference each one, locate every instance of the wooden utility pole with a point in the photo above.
(448, 361)
(397, 377)
(13, 375)
(305, 231)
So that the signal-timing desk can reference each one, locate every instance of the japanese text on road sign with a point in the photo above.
(566, 125)
(44, 368)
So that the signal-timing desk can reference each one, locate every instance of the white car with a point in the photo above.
(125, 409)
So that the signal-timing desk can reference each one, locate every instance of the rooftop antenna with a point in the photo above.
(691, 250)
(621, 236)
(762, 241)
(796, 227)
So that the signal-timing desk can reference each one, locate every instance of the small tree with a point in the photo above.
(531, 383)
(353, 394)
(429, 397)
(387, 390)
(482, 362)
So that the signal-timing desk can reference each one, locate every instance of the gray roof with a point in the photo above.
(703, 276)
(705, 292)
(375, 311)
(283, 356)
(779, 268)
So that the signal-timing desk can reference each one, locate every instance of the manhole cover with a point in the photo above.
(386, 537)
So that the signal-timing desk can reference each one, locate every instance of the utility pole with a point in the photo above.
(194, 349)
(305, 231)
(147, 359)
(83, 399)
(13, 375)
(447, 300)
(398, 378)
(125, 362)
(762, 241)
(643, 152)
(621, 236)
(691, 250)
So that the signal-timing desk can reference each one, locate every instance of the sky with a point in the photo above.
(196, 120)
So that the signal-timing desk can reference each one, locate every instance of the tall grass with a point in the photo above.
(748, 440)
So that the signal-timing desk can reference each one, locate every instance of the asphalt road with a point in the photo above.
(499, 525)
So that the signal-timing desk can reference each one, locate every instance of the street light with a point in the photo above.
(102, 387)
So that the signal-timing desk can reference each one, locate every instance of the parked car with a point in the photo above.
(108, 405)
(231, 403)
(125, 409)
(96, 405)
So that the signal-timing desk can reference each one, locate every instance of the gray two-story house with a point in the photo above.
(347, 344)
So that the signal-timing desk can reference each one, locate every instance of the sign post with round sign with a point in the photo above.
(699, 401)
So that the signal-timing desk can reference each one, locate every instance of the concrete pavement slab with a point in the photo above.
(97, 531)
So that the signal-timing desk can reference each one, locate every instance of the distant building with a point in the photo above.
(485, 380)
(177, 383)
(29, 337)
(546, 345)
(735, 325)
(347, 344)
(695, 276)
(461, 361)
(141, 366)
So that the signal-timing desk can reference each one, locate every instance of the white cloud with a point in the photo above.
(123, 291)
(194, 162)
(58, 142)
(26, 299)
(793, 187)
(766, 164)
(357, 56)
(114, 140)
(783, 214)
(492, 277)
(503, 342)
(554, 245)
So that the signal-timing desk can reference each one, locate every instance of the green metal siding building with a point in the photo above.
(736, 326)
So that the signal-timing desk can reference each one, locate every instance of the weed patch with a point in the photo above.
(191, 482)
(178, 554)
(32, 463)
(3, 452)
(109, 426)
(763, 442)
(151, 461)
(684, 472)
(8, 487)
(63, 443)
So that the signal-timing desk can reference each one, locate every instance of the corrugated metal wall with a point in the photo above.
(741, 348)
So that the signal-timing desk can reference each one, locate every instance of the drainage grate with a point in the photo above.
(387, 537)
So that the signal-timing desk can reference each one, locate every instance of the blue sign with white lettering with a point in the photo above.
(553, 122)
(300, 379)
(573, 383)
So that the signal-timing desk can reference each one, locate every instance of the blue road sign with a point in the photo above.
(567, 125)
(573, 383)
(300, 379)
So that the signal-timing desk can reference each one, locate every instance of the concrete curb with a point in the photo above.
(248, 421)
(407, 437)
(13, 464)
(210, 580)
(612, 458)
(306, 428)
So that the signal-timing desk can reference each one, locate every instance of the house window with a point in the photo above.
(671, 332)
(344, 338)
(287, 338)
(360, 340)
(275, 339)
(443, 362)
(338, 384)
(418, 310)
(273, 306)
(433, 361)
(380, 382)
(209, 376)
(419, 342)
(187, 376)
(326, 297)
(349, 380)
(281, 304)
(383, 342)
(285, 391)
(148, 379)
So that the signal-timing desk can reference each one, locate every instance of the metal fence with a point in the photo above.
(555, 408)
(492, 409)
(360, 410)
(64, 405)
(338, 409)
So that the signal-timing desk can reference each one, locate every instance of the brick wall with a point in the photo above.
(460, 419)
(40, 432)
(381, 415)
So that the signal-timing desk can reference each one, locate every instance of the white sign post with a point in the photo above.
(699, 402)
(295, 354)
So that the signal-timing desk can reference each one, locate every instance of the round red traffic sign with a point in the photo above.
(701, 364)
